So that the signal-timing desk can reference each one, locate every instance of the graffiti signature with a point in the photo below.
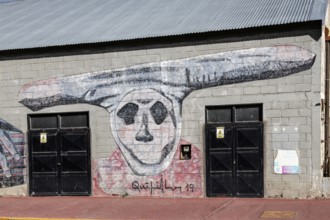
(161, 185)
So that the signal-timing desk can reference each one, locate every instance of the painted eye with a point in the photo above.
(158, 112)
(128, 112)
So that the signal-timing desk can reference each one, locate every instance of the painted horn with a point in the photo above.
(175, 78)
(4, 125)
(7, 142)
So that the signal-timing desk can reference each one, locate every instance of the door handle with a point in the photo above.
(234, 162)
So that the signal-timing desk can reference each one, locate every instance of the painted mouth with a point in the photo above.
(160, 157)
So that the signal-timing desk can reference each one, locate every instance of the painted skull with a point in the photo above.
(145, 126)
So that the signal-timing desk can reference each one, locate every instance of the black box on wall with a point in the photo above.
(185, 152)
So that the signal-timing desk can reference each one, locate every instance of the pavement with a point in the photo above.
(83, 208)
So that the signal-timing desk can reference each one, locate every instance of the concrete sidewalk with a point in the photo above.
(160, 208)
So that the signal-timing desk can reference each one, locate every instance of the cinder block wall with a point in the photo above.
(291, 114)
(291, 117)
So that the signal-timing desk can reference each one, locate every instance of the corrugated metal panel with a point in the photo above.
(42, 23)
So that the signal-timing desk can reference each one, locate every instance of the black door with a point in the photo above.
(59, 153)
(234, 154)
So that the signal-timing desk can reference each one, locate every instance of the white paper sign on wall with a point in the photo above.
(286, 161)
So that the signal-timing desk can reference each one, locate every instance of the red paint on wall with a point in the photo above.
(183, 178)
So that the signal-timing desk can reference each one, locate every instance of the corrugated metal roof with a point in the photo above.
(43, 23)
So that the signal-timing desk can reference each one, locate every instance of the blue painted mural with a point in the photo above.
(11, 155)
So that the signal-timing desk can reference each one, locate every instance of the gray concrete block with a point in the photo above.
(305, 145)
(132, 60)
(234, 45)
(139, 52)
(298, 120)
(307, 79)
(273, 193)
(291, 80)
(273, 113)
(290, 129)
(235, 91)
(270, 177)
(275, 145)
(251, 90)
(268, 89)
(279, 121)
(168, 56)
(305, 161)
(293, 194)
(268, 42)
(286, 40)
(36, 67)
(300, 186)
(202, 93)
(219, 91)
(280, 137)
(290, 145)
(109, 56)
(290, 112)
(290, 178)
(64, 65)
(118, 62)
(302, 87)
(298, 104)
(294, 137)
(305, 128)
(278, 81)
(251, 43)
(305, 178)
(277, 104)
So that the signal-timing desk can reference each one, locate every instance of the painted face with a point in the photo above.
(145, 128)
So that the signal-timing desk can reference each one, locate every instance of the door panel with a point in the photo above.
(43, 164)
(247, 161)
(221, 185)
(248, 137)
(74, 164)
(37, 147)
(220, 143)
(234, 163)
(74, 184)
(74, 141)
(44, 185)
(221, 162)
(248, 184)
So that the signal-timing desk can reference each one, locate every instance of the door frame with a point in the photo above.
(59, 131)
(232, 122)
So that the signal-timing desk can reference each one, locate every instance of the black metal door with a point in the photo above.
(234, 160)
(59, 155)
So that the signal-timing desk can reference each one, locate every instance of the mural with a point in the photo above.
(11, 155)
(181, 178)
(144, 103)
